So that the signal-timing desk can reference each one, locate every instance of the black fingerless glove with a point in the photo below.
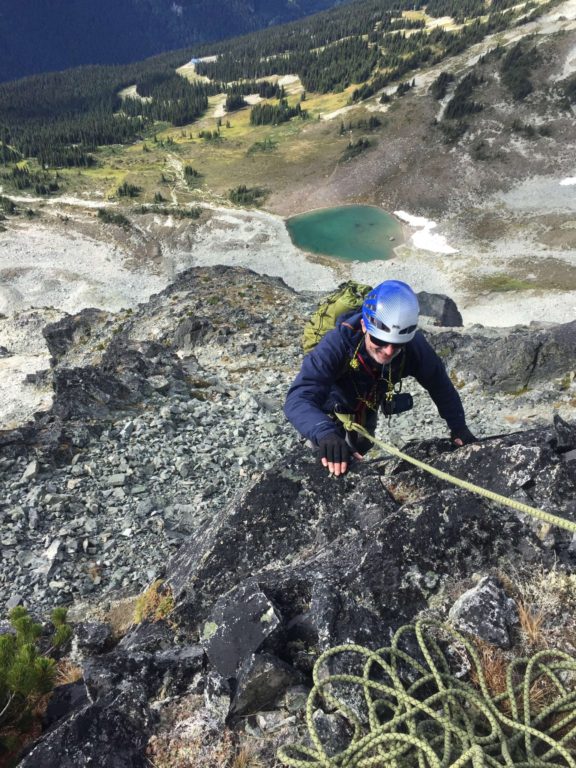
(463, 434)
(334, 448)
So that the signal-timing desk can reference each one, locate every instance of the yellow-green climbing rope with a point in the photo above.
(540, 514)
(408, 712)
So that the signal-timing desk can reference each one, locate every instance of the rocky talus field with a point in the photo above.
(165, 467)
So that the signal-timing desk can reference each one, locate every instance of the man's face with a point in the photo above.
(381, 355)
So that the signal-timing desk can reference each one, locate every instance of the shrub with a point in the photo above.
(243, 195)
(569, 88)
(191, 173)
(268, 145)
(178, 213)
(110, 217)
(355, 148)
(453, 131)
(128, 190)
(439, 87)
(516, 67)
(26, 674)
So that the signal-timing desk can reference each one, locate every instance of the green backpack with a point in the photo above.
(347, 296)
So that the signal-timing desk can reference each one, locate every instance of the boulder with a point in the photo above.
(90, 637)
(148, 636)
(64, 700)
(564, 434)
(487, 612)
(442, 309)
(239, 624)
(107, 674)
(522, 465)
(262, 679)
(293, 510)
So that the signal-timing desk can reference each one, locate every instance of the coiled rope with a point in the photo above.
(407, 712)
(540, 514)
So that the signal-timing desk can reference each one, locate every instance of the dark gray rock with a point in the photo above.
(487, 612)
(72, 329)
(512, 359)
(148, 636)
(106, 674)
(191, 331)
(442, 308)
(293, 510)
(334, 731)
(239, 624)
(341, 561)
(91, 637)
(262, 679)
(217, 697)
(64, 700)
(565, 434)
(524, 465)
(112, 733)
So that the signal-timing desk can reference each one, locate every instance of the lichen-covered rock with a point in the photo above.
(341, 561)
(239, 624)
(565, 435)
(72, 329)
(148, 636)
(334, 731)
(487, 612)
(106, 674)
(64, 700)
(90, 637)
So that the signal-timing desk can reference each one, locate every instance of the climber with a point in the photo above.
(357, 368)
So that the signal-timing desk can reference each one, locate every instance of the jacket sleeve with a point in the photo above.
(429, 371)
(311, 388)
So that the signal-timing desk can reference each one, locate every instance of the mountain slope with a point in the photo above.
(43, 36)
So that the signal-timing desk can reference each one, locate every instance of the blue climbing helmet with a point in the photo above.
(390, 312)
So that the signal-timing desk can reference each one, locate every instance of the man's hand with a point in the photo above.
(462, 436)
(335, 454)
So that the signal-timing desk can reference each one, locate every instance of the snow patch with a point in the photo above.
(425, 239)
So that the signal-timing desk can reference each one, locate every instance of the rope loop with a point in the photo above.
(409, 712)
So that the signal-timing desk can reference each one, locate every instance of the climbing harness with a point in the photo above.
(407, 712)
(546, 517)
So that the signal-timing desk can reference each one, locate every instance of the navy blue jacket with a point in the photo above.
(327, 382)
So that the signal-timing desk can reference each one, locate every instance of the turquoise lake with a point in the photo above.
(351, 232)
